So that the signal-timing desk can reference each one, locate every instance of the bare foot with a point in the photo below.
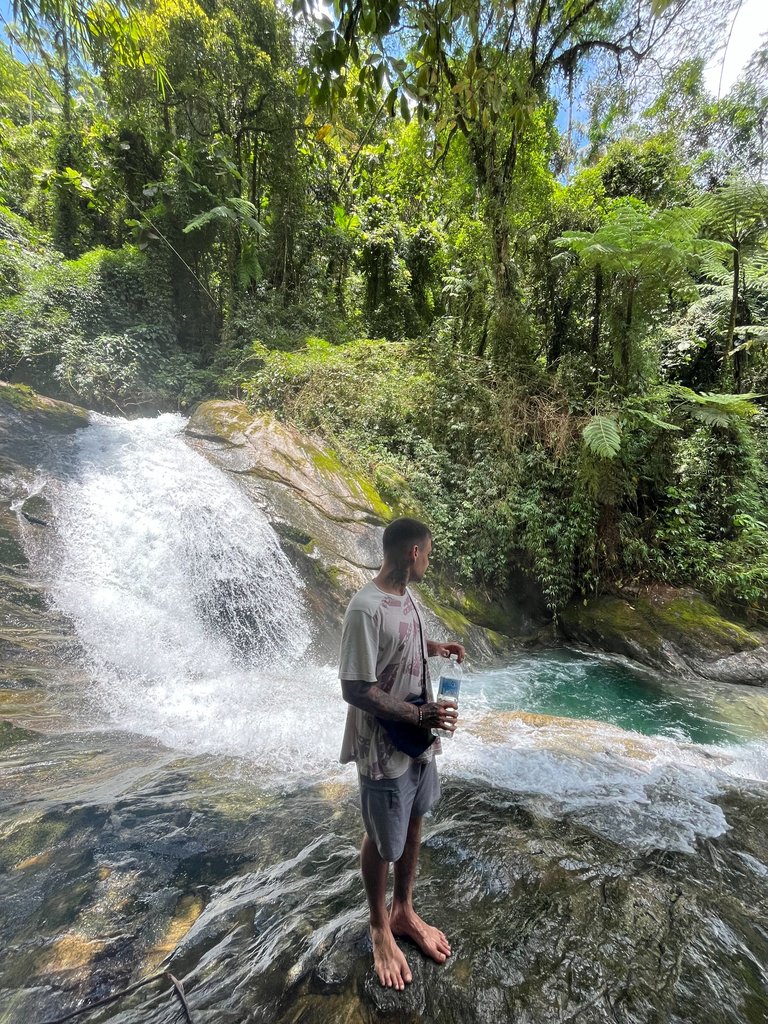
(388, 961)
(430, 941)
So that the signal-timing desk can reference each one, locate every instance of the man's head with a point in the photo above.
(407, 545)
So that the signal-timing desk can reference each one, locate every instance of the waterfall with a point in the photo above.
(191, 616)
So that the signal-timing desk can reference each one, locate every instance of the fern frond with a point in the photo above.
(217, 213)
(719, 410)
(654, 420)
(738, 211)
(235, 210)
(602, 436)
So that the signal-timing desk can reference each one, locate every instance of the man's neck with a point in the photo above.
(392, 579)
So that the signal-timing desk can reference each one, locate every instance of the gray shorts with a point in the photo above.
(389, 804)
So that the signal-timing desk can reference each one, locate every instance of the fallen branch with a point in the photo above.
(178, 989)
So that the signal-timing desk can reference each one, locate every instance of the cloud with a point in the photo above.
(750, 24)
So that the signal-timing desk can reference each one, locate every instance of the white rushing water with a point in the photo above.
(196, 633)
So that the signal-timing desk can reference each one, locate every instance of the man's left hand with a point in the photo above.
(440, 650)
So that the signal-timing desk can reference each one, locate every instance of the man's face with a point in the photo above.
(420, 554)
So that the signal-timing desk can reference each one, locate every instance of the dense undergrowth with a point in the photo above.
(506, 480)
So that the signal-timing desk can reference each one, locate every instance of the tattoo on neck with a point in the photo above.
(398, 576)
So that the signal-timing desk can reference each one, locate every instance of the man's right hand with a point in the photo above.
(440, 716)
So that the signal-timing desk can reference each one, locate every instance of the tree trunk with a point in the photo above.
(730, 370)
(256, 175)
(626, 335)
(497, 219)
(66, 212)
(597, 310)
(508, 336)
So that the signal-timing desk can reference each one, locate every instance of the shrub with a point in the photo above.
(101, 329)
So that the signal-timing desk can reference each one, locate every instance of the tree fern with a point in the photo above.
(235, 210)
(716, 409)
(737, 212)
(648, 417)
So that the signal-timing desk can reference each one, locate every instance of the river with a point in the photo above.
(600, 853)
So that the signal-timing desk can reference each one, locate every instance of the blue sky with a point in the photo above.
(748, 26)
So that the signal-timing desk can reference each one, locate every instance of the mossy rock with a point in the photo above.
(480, 641)
(671, 630)
(48, 412)
(700, 624)
(396, 492)
(220, 421)
(328, 464)
(612, 623)
(11, 734)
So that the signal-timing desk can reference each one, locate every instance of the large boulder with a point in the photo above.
(674, 630)
(330, 519)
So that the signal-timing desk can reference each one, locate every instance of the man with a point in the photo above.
(383, 661)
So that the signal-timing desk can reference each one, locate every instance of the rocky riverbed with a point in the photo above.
(121, 858)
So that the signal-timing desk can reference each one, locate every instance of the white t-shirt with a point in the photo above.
(380, 644)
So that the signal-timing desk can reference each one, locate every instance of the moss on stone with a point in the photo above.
(605, 617)
(10, 734)
(489, 611)
(327, 462)
(455, 620)
(29, 838)
(20, 396)
(395, 491)
(55, 415)
(498, 641)
(221, 420)
(700, 620)
(666, 628)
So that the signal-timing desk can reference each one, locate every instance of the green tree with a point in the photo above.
(737, 214)
(643, 258)
(482, 71)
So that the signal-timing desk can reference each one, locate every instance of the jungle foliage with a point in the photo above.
(510, 259)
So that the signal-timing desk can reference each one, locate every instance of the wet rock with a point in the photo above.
(406, 1005)
(10, 734)
(330, 519)
(33, 639)
(675, 631)
(261, 913)
(24, 412)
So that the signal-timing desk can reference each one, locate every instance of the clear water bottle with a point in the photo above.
(448, 689)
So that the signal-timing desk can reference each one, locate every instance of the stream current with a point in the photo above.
(600, 853)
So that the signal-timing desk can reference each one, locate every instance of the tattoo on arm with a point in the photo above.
(372, 699)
